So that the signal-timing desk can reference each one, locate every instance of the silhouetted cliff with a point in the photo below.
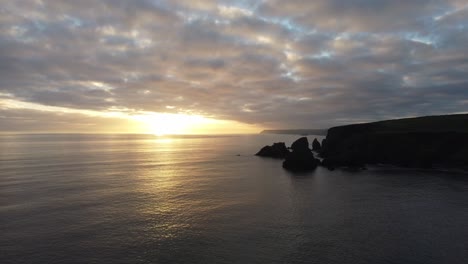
(414, 142)
(296, 131)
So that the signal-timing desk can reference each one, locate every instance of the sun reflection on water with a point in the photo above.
(163, 140)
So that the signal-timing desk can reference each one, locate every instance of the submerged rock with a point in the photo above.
(301, 158)
(277, 150)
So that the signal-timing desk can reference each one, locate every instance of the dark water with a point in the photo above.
(141, 199)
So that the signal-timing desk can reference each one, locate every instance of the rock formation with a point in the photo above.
(411, 142)
(316, 145)
(301, 158)
(415, 142)
(277, 150)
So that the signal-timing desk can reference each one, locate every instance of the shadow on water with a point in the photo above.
(300, 174)
(311, 173)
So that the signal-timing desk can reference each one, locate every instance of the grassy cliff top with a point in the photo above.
(296, 131)
(442, 123)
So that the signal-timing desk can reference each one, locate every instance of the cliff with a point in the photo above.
(414, 142)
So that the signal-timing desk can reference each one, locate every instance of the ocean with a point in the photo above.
(73, 198)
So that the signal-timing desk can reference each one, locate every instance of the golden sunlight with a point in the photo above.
(161, 124)
(169, 124)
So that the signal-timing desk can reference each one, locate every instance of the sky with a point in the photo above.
(206, 66)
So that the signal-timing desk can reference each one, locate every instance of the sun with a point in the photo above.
(161, 124)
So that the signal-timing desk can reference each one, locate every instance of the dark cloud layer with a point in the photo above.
(271, 63)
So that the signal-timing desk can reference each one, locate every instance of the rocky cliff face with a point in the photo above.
(415, 142)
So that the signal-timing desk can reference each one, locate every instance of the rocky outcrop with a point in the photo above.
(413, 142)
(316, 145)
(277, 150)
(416, 142)
(302, 144)
(301, 158)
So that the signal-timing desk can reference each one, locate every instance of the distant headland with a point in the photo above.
(318, 132)
(430, 141)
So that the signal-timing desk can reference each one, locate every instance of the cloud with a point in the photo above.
(270, 63)
(27, 120)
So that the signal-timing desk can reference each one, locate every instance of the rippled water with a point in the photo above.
(142, 199)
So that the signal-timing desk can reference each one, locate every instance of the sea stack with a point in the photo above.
(301, 158)
(277, 150)
(316, 145)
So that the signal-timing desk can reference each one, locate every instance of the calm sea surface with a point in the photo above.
(143, 199)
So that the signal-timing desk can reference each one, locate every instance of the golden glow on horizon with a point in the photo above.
(128, 121)
(175, 124)
(161, 124)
